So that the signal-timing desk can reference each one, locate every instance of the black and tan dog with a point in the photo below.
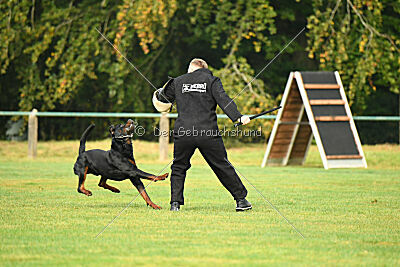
(115, 164)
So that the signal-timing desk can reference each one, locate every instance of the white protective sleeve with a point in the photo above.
(160, 106)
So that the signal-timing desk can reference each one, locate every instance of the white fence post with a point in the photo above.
(32, 134)
(164, 136)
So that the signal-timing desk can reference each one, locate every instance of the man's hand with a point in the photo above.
(244, 120)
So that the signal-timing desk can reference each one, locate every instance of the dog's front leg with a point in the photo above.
(140, 187)
(152, 177)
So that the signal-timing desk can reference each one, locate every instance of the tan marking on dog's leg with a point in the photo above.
(82, 186)
(103, 184)
(157, 178)
(146, 198)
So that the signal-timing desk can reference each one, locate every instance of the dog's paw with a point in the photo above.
(161, 177)
(115, 190)
(84, 191)
(154, 206)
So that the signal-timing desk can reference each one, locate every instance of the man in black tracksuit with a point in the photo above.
(197, 94)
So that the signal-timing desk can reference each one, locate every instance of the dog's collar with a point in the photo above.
(124, 136)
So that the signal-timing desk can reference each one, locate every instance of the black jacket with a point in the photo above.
(197, 95)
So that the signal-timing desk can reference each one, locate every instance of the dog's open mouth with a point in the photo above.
(129, 127)
(123, 131)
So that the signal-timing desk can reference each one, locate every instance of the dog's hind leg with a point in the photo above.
(140, 187)
(103, 184)
(81, 186)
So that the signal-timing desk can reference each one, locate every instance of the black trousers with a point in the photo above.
(213, 151)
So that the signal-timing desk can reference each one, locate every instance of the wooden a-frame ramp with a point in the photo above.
(314, 104)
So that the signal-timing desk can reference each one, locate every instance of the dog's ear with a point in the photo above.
(112, 130)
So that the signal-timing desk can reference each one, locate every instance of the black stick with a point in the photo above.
(258, 115)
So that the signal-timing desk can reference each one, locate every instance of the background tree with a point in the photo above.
(361, 39)
(52, 57)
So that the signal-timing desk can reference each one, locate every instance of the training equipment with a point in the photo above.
(160, 101)
(159, 105)
(314, 103)
(258, 115)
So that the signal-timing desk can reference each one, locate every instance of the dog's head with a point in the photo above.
(123, 131)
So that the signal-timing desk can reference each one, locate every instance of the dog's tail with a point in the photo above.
(83, 138)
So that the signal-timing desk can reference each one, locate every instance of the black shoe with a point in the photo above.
(175, 206)
(242, 205)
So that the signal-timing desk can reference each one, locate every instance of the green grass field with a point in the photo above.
(349, 216)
